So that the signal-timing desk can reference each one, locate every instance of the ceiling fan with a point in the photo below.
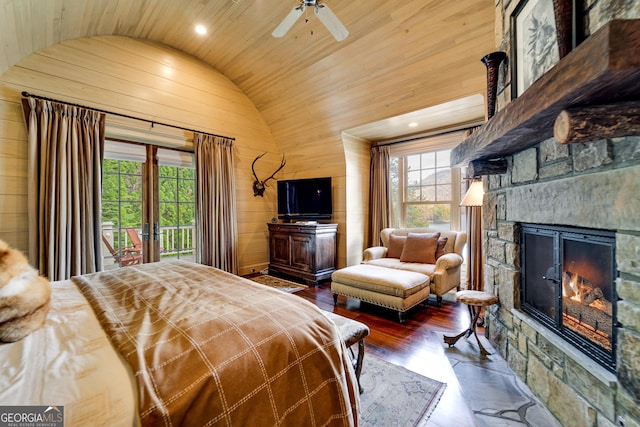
(325, 15)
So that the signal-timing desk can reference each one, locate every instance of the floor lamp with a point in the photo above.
(473, 201)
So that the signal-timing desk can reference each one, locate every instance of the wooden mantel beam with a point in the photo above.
(587, 124)
(478, 168)
(605, 68)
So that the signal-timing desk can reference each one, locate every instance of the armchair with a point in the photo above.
(444, 274)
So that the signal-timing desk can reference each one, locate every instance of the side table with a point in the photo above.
(474, 300)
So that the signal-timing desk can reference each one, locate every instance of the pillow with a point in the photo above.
(396, 245)
(420, 248)
(442, 242)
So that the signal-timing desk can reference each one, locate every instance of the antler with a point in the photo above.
(259, 186)
(253, 164)
(282, 163)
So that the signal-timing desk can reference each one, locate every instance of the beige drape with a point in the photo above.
(379, 193)
(66, 148)
(475, 268)
(216, 203)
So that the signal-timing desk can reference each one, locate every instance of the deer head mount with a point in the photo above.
(259, 186)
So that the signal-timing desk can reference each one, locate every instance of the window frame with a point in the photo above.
(152, 157)
(435, 144)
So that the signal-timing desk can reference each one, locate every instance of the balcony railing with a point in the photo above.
(174, 241)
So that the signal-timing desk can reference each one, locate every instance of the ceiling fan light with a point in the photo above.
(324, 14)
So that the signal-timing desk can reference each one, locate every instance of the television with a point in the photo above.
(304, 199)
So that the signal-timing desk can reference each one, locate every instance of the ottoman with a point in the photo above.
(398, 290)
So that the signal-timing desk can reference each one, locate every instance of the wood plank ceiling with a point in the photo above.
(400, 56)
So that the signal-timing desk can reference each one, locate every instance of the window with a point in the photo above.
(426, 189)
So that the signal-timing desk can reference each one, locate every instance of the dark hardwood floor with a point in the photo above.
(416, 345)
(389, 338)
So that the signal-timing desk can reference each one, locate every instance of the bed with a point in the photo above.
(177, 343)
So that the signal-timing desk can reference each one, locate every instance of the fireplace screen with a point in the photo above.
(568, 284)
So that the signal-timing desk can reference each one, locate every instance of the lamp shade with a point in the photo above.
(474, 195)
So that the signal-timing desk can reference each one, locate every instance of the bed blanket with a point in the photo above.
(211, 348)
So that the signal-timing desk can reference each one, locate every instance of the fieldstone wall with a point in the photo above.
(595, 185)
(548, 185)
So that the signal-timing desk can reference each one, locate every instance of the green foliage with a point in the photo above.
(122, 195)
(427, 215)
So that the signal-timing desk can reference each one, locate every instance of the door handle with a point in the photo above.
(145, 232)
(156, 231)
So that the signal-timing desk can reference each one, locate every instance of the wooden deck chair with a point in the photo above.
(126, 257)
(135, 239)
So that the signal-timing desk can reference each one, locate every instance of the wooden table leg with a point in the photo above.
(359, 362)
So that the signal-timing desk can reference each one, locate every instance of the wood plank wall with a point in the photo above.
(149, 81)
(13, 171)
(358, 161)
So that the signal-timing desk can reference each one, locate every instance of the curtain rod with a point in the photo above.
(424, 136)
(28, 95)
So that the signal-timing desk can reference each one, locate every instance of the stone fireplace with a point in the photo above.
(589, 186)
(596, 186)
(567, 283)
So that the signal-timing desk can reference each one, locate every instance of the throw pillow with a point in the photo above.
(396, 245)
(442, 242)
(420, 247)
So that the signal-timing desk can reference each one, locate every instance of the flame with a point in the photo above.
(572, 286)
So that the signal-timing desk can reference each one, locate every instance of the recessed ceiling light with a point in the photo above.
(200, 29)
(413, 124)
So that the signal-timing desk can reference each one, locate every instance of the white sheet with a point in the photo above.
(69, 362)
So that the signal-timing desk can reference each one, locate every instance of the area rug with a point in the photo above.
(395, 396)
(278, 283)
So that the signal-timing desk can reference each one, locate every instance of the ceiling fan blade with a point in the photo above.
(288, 21)
(331, 21)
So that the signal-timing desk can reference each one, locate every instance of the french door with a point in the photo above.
(148, 204)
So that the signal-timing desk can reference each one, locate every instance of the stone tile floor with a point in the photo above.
(493, 392)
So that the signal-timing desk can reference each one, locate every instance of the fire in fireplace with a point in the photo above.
(568, 284)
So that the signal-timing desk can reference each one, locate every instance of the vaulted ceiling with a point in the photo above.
(400, 56)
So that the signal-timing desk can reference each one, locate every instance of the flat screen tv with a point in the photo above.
(304, 199)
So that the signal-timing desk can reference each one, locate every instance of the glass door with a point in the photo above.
(148, 205)
(122, 212)
(177, 205)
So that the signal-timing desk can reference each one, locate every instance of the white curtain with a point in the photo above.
(216, 202)
(66, 148)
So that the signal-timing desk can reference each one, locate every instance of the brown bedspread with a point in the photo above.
(211, 348)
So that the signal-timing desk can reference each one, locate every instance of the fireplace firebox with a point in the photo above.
(568, 285)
